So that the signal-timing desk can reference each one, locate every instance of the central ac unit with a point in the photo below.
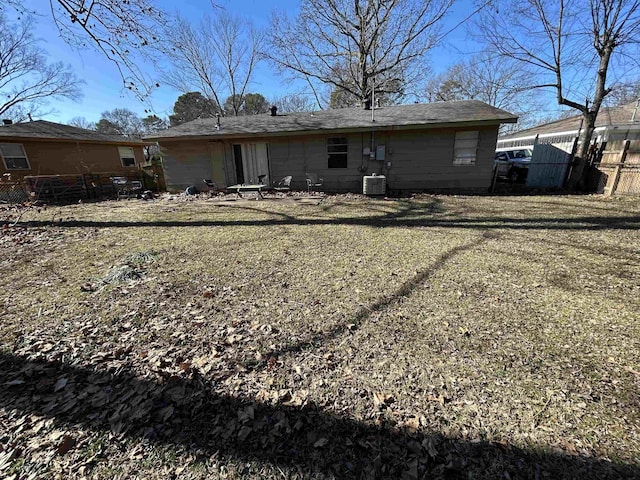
(374, 184)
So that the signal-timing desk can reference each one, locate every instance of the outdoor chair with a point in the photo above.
(283, 185)
(126, 188)
(313, 182)
(213, 187)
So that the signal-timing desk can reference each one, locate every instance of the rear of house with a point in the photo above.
(439, 146)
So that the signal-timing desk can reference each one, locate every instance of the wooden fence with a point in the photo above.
(620, 168)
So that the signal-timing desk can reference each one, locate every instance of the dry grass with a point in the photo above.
(453, 337)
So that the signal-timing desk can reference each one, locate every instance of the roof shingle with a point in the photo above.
(420, 115)
(42, 129)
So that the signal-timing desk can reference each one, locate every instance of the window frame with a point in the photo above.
(24, 156)
(132, 156)
(337, 159)
(469, 140)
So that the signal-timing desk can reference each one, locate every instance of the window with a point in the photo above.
(522, 153)
(127, 157)
(337, 149)
(465, 148)
(14, 156)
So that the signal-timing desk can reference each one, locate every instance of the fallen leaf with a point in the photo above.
(412, 424)
(430, 447)
(244, 433)
(320, 443)
(15, 382)
(382, 400)
(166, 412)
(60, 384)
(631, 370)
(66, 444)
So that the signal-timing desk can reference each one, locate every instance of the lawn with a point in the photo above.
(341, 337)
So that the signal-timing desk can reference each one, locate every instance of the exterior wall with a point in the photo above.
(71, 158)
(425, 160)
(419, 160)
(187, 163)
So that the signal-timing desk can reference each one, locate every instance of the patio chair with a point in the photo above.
(283, 185)
(121, 186)
(213, 187)
(135, 187)
(314, 182)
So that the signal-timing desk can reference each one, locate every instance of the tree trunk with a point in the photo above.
(578, 171)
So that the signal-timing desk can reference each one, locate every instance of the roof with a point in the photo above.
(608, 116)
(41, 129)
(428, 115)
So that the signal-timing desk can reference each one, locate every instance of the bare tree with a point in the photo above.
(498, 81)
(119, 30)
(27, 79)
(27, 112)
(295, 102)
(121, 121)
(569, 49)
(623, 93)
(153, 123)
(82, 122)
(359, 47)
(216, 57)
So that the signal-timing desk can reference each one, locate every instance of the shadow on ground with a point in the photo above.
(587, 222)
(364, 313)
(188, 412)
(399, 213)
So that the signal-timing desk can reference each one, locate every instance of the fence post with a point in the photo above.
(619, 167)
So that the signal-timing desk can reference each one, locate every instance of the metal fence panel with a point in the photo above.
(548, 167)
(13, 192)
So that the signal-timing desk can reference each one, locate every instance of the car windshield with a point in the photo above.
(522, 153)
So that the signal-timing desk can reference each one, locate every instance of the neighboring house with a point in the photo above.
(47, 148)
(614, 155)
(446, 145)
(612, 123)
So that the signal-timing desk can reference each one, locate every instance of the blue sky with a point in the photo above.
(103, 87)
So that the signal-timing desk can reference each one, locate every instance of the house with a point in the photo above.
(41, 148)
(447, 145)
(612, 123)
(614, 157)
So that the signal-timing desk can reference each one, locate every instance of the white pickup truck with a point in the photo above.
(513, 164)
